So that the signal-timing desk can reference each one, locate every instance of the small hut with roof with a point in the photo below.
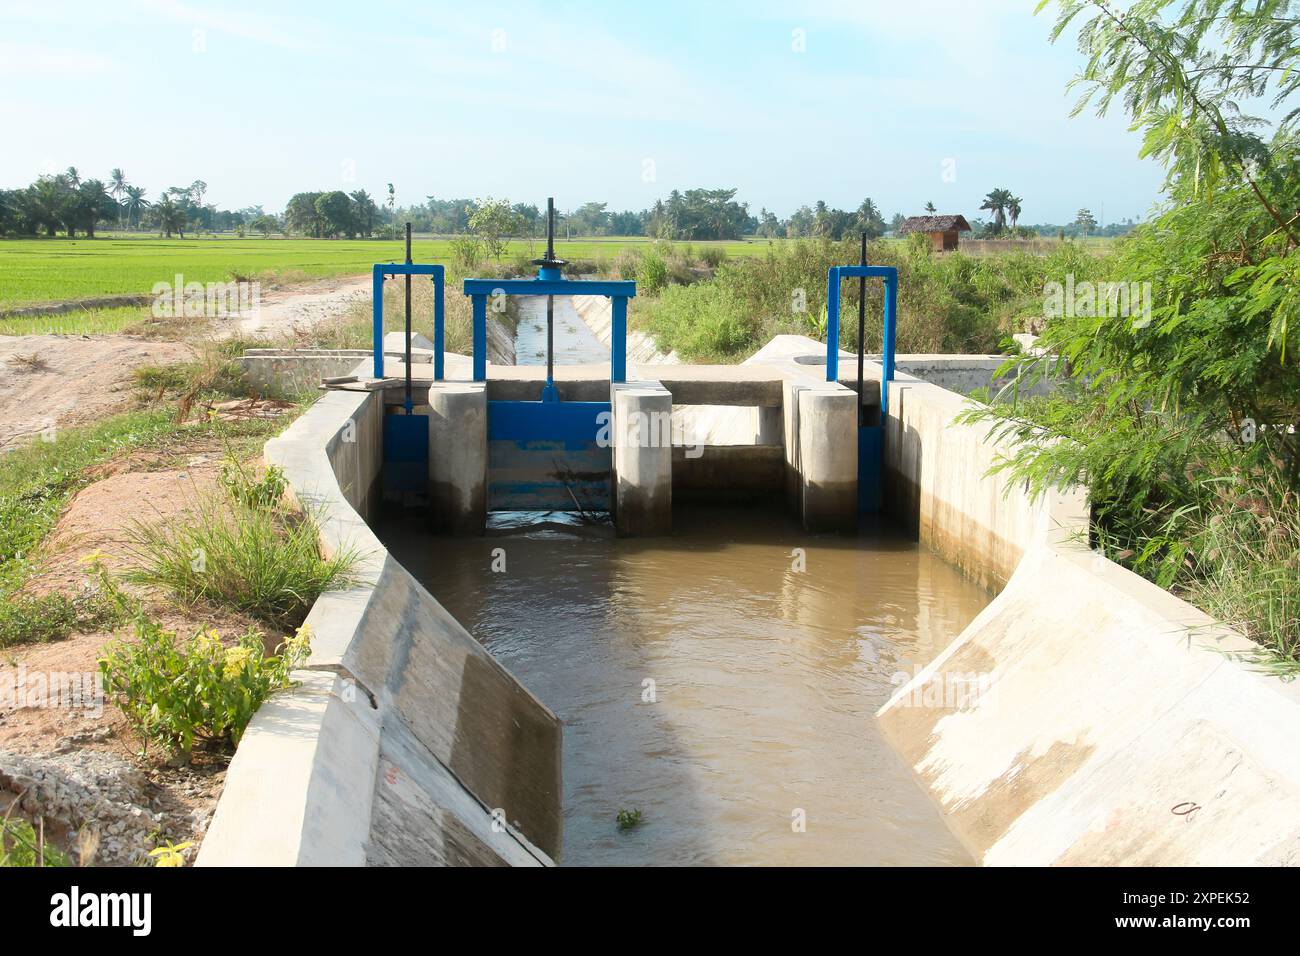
(942, 230)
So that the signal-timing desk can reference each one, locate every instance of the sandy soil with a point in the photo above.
(71, 381)
(83, 769)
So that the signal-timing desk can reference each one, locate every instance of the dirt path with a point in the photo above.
(59, 381)
(284, 311)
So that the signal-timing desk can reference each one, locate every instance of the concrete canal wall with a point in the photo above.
(405, 742)
(1086, 716)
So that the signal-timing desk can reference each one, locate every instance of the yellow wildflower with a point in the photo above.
(170, 854)
(236, 659)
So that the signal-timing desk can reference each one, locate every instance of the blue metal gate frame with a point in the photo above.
(619, 292)
(383, 270)
(871, 438)
(536, 427)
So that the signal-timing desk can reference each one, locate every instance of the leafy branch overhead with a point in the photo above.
(1184, 422)
(1187, 78)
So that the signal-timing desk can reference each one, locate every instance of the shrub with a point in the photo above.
(680, 271)
(466, 251)
(197, 691)
(654, 273)
(713, 256)
(627, 264)
(21, 847)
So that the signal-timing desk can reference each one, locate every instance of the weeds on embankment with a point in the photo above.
(214, 374)
(948, 303)
(242, 549)
(39, 479)
(1248, 542)
(177, 693)
(38, 619)
(1175, 501)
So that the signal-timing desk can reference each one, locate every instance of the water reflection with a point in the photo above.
(719, 681)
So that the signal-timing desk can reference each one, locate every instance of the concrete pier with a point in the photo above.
(821, 455)
(458, 456)
(642, 478)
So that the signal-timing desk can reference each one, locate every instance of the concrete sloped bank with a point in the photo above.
(404, 742)
(1085, 716)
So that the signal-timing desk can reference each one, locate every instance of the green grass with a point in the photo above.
(255, 558)
(37, 480)
(78, 322)
(54, 270)
(33, 619)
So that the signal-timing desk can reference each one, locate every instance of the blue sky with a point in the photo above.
(904, 101)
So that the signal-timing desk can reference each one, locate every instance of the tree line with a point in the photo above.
(69, 204)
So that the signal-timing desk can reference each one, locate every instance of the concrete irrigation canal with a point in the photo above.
(768, 613)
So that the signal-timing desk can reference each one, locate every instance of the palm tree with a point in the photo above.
(996, 203)
(135, 203)
(93, 204)
(48, 196)
(171, 217)
(73, 177)
(1013, 210)
(365, 210)
(929, 209)
(116, 187)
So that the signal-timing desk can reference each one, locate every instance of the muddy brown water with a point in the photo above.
(709, 683)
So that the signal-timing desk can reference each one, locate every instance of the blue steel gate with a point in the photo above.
(549, 454)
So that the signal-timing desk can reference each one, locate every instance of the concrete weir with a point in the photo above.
(1084, 717)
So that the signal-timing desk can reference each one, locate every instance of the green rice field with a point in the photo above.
(34, 271)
